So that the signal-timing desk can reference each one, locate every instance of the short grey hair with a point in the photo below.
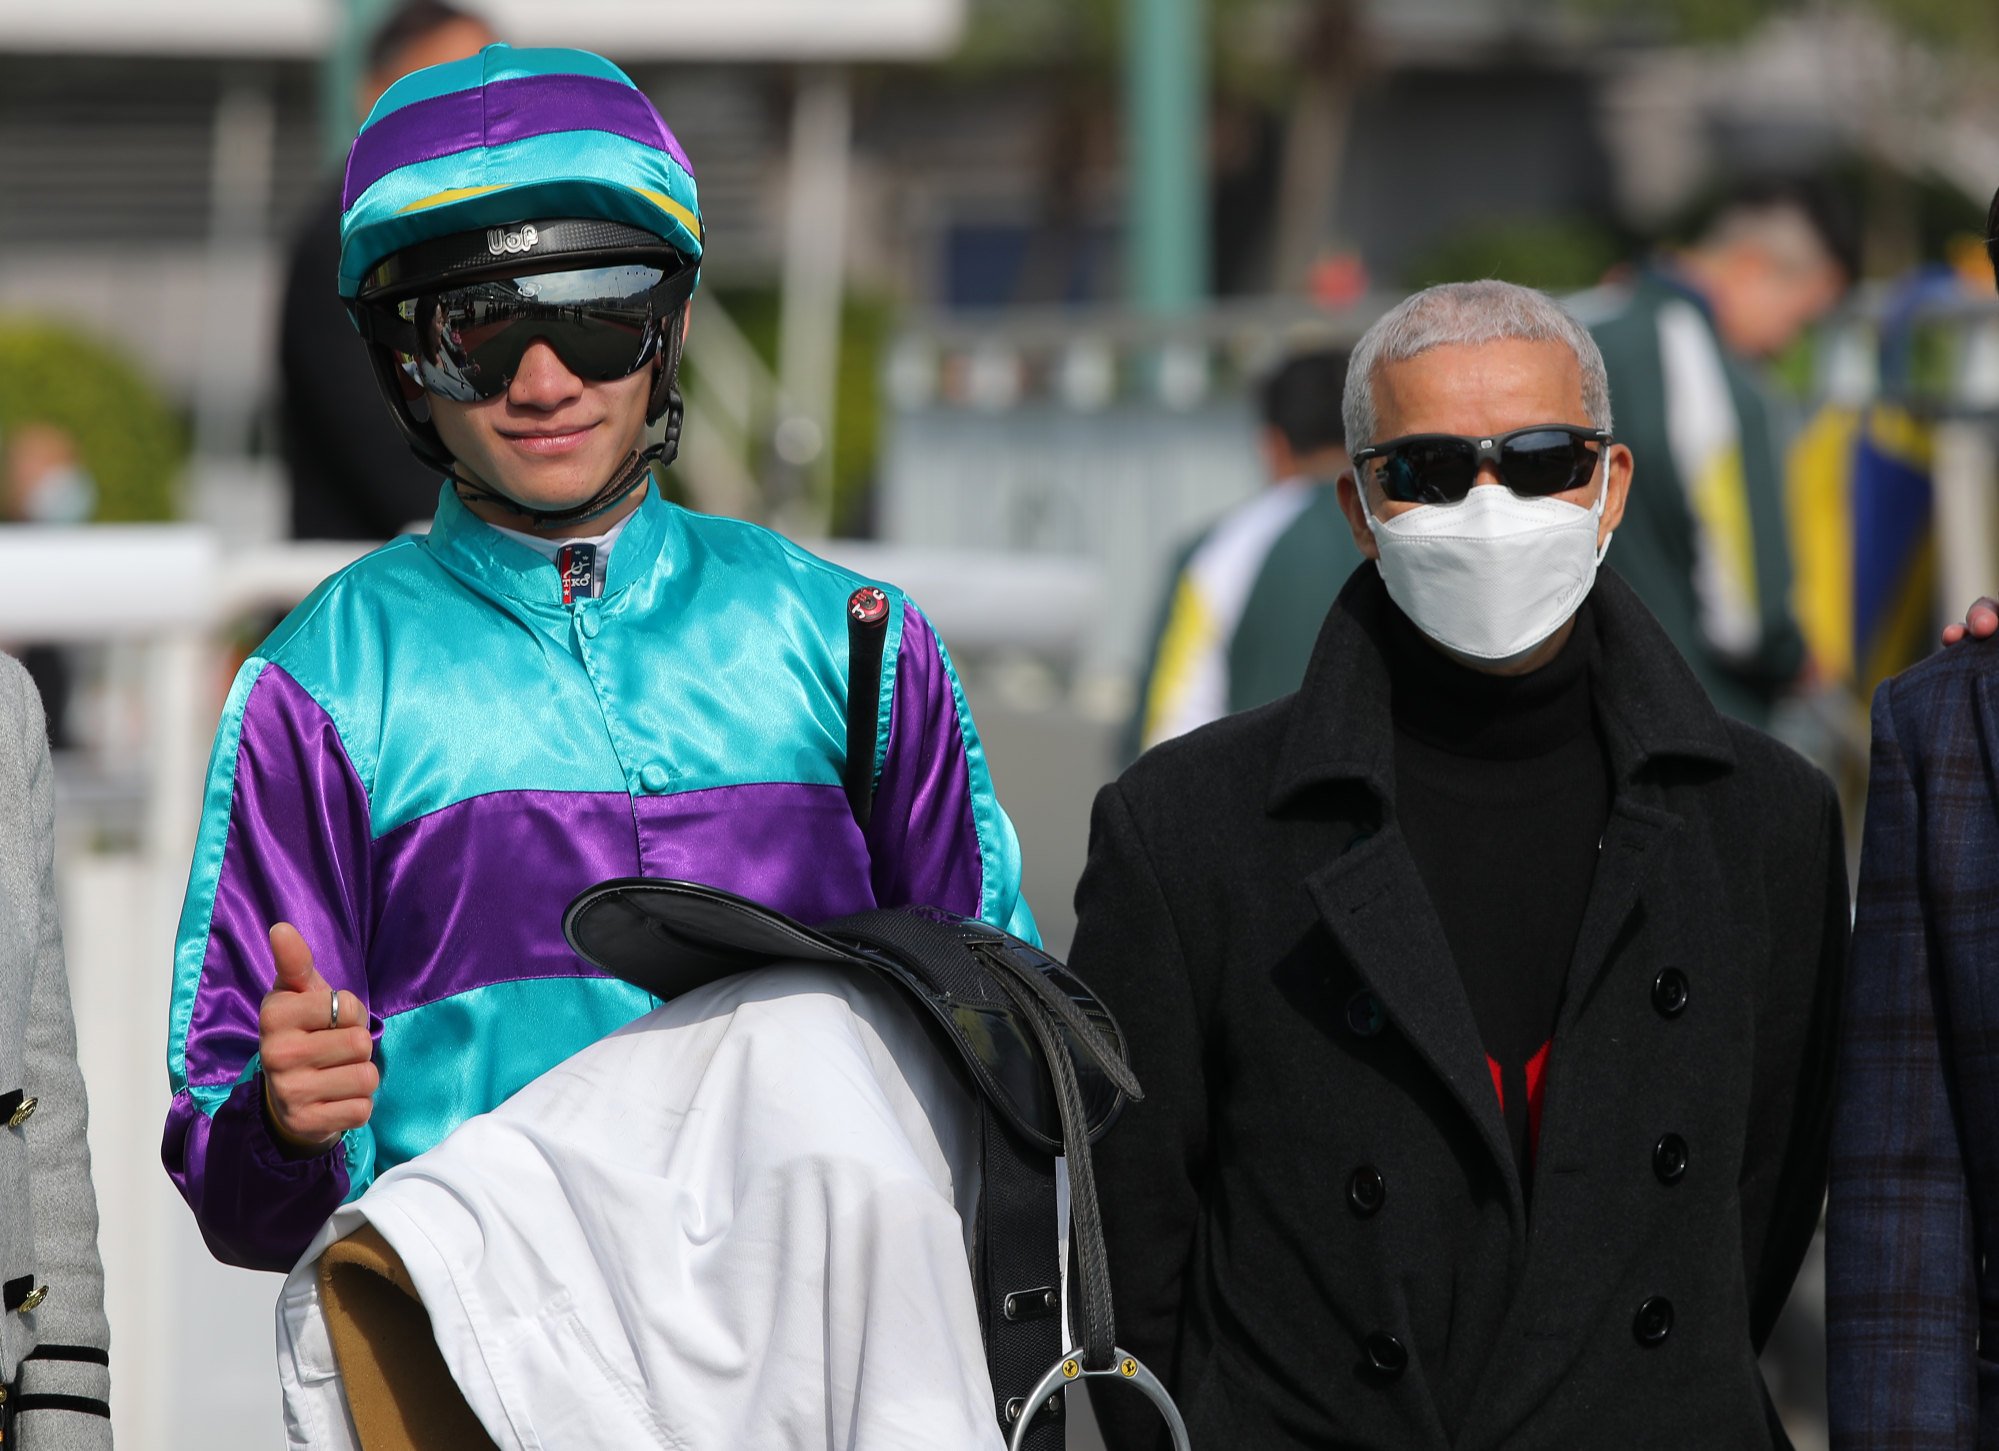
(1466, 313)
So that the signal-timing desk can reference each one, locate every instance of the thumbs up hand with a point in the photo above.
(319, 1081)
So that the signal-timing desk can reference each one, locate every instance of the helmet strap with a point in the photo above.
(636, 470)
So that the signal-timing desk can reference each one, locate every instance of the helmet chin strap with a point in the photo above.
(633, 473)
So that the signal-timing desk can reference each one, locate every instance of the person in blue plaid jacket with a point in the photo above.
(1912, 1295)
(1915, 1169)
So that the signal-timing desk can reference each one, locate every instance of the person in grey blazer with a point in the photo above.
(54, 1340)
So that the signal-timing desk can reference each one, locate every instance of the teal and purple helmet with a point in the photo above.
(471, 180)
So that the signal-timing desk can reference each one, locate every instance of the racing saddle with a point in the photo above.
(1042, 1057)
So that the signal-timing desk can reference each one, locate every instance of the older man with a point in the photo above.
(1483, 990)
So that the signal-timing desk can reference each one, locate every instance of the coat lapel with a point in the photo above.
(1374, 904)
(1552, 1290)
(1649, 707)
(1366, 887)
(1631, 849)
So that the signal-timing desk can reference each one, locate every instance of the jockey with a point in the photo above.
(567, 679)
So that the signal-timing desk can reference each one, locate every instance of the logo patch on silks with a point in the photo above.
(578, 563)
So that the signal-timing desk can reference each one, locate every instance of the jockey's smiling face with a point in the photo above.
(549, 441)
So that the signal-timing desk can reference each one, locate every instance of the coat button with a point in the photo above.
(1669, 1158)
(1365, 1190)
(654, 777)
(23, 1113)
(1365, 1017)
(32, 1300)
(589, 623)
(1669, 993)
(1385, 1354)
(1654, 1321)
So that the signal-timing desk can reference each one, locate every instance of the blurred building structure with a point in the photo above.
(154, 162)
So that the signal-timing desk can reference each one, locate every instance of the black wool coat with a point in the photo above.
(1317, 1231)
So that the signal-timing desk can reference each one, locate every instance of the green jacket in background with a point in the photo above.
(1703, 539)
(1241, 611)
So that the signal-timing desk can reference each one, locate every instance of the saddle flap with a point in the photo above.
(670, 937)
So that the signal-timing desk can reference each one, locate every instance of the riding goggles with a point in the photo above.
(1440, 468)
(466, 342)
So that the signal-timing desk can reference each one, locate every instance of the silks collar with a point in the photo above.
(467, 545)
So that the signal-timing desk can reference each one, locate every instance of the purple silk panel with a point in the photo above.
(298, 852)
(498, 113)
(792, 847)
(922, 836)
(474, 894)
(256, 1208)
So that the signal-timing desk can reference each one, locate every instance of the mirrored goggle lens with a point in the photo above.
(600, 321)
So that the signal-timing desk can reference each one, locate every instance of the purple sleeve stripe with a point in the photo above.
(511, 110)
(923, 832)
(256, 1208)
(297, 851)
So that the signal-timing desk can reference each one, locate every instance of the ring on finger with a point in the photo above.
(334, 1021)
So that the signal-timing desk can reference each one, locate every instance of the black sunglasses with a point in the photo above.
(1440, 468)
(466, 342)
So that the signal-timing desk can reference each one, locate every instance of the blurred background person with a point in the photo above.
(54, 1339)
(1704, 544)
(46, 480)
(46, 483)
(1246, 596)
(351, 475)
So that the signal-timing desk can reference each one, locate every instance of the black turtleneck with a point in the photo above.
(1502, 789)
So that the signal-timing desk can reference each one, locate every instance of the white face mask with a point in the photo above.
(1492, 576)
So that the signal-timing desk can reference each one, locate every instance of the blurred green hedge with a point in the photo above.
(132, 443)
